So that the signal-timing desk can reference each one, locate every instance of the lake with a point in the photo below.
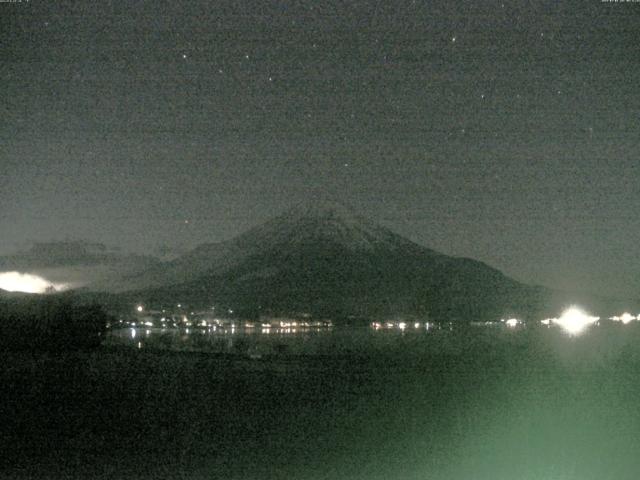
(258, 342)
(468, 403)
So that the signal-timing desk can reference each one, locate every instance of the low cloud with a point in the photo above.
(28, 283)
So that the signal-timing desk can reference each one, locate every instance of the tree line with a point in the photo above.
(51, 323)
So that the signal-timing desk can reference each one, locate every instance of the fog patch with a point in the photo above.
(29, 283)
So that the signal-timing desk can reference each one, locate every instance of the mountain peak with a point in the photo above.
(323, 209)
(323, 221)
(307, 229)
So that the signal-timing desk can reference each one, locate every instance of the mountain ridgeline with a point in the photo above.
(326, 261)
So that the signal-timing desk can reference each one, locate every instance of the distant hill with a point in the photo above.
(11, 295)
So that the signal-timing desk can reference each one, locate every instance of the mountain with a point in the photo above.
(323, 259)
(326, 260)
(76, 263)
(327, 223)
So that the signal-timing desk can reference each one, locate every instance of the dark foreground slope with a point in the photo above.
(50, 323)
(525, 404)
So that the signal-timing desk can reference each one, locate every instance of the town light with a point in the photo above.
(574, 320)
(626, 317)
(512, 322)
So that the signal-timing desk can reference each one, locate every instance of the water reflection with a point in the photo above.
(295, 337)
(256, 339)
(402, 326)
(253, 339)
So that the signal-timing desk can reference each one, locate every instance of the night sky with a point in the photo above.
(504, 131)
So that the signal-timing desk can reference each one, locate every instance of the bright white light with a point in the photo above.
(402, 325)
(28, 283)
(575, 320)
(512, 322)
(626, 318)
(140, 308)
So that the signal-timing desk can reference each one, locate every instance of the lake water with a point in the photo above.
(471, 403)
(256, 343)
(414, 339)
